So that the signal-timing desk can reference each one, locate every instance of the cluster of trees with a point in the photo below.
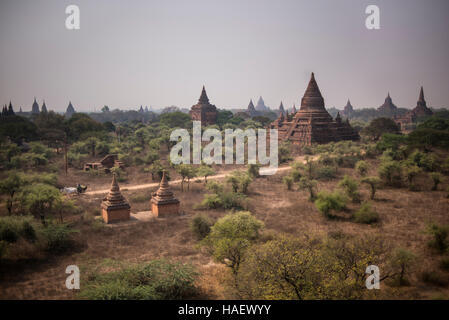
(303, 267)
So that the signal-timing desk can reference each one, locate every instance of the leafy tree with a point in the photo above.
(175, 120)
(309, 185)
(362, 168)
(239, 181)
(411, 173)
(390, 172)
(350, 187)
(187, 172)
(231, 236)
(402, 260)
(283, 268)
(436, 178)
(205, 171)
(39, 198)
(288, 181)
(10, 186)
(380, 126)
(374, 183)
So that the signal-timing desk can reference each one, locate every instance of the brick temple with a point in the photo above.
(204, 111)
(114, 207)
(408, 121)
(163, 203)
(312, 123)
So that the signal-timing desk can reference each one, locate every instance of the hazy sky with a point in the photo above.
(160, 53)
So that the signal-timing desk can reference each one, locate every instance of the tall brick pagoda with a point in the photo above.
(312, 123)
(163, 202)
(204, 111)
(407, 121)
(114, 207)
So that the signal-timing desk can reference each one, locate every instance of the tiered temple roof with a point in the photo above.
(115, 200)
(312, 123)
(164, 195)
(204, 111)
(388, 107)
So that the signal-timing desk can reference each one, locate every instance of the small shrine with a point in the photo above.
(114, 206)
(163, 203)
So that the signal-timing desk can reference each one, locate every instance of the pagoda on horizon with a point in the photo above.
(312, 123)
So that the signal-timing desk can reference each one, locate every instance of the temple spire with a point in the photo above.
(421, 95)
(312, 98)
(203, 98)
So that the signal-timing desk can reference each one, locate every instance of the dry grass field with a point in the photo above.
(403, 219)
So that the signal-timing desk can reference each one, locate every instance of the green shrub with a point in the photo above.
(325, 173)
(295, 175)
(14, 227)
(231, 236)
(58, 237)
(350, 187)
(327, 202)
(439, 234)
(402, 261)
(309, 185)
(253, 170)
(366, 214)
(362, 168)
(200, 226)
(288, 181)
(211, 201)
(373, 183)
(156, 280)
(436, 178)
(391, 173)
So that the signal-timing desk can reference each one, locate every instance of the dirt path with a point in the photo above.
(156, 184)
(214, 177)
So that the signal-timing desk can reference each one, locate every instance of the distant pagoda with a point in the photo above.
(115, 207)
(163, 203)
(35, 107)
(312, 123)
(251, 110)
(294, 109)
(204, 111)
(261, 105)
(348, 109)
(388, 108)
(407, 122)
(421, 108)
(281, 108)
(44, 108)
(70, 110)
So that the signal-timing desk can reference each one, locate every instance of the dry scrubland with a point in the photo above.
(403, 214)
